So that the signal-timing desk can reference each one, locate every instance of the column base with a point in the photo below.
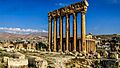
(54, 51)
(84, 52)
(74, 51)
(60, 51)
(49, 50)
(67, 52)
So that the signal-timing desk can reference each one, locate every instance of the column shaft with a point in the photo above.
(87, 46)
(50, 34)
(55, 34)
(67, 32)
(61, 33)
(75, 30)
(83, 32)
(80, 46)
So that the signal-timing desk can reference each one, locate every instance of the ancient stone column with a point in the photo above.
(80, 46)
(87, 46)
(49, 33)
(75, 30)
(89, 43)
(67, 32)
(55, 34)
(83, 31)
(61, 33)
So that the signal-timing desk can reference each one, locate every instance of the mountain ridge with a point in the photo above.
(6, 36)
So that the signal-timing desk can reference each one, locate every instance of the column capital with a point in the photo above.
(49, 15)
(49, 18)
(84, 5)
(67, 15)
(74, 13)
(61, 16)
(61, 20)
(55, 18)
(83, 12)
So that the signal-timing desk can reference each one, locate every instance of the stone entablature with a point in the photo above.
(64, 13)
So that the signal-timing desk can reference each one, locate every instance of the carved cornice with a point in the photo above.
(73, 8)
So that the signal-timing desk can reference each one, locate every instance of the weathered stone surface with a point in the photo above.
(23, 63)
(40, 63)
(71, 44)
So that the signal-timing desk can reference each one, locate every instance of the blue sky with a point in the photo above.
(103, 16)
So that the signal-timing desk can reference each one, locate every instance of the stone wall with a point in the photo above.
(17, 63)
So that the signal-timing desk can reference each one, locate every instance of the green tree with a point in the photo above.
(41, 45)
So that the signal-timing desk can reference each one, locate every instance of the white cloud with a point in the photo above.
(20, 31)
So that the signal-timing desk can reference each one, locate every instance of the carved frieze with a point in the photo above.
(73, 8)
